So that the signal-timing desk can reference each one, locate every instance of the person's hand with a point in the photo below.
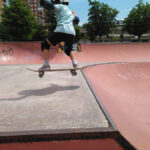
(74, 13)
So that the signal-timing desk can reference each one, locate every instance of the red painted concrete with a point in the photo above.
(124, 90)
(104, 144)
(23, 53)
(115, 52)
(29, 53)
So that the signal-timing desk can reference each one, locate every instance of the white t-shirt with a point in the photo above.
(64, 18)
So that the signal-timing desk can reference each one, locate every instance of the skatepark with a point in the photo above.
(106, 106)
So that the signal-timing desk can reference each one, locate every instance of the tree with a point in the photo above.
(78, 34)
(138, 20)
(101, 19)
(91, 30)
(40, 33)
(50, 20)
(18, 22)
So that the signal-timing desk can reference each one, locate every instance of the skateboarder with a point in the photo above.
(64, 30)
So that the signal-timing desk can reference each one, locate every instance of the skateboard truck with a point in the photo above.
(73, 72)
(41, 74)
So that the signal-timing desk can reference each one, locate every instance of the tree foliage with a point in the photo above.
(138, 20)
(18, 22)
(78, 34)
(101, 19)
(50, 20)
(40, 33)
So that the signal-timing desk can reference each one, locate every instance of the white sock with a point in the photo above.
(46, 62)
(74, 61)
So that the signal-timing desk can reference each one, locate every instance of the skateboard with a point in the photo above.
(41, 73)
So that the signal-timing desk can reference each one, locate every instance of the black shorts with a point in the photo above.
(58, 37)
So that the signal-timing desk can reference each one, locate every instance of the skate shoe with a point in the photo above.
(45, 68)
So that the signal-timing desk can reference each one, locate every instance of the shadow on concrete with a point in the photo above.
(41, 92)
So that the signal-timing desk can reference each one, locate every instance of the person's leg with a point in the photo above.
(46, 57)
(54, 39)
(46, 54)
(45, 46)
(68, 49)
(72, 57)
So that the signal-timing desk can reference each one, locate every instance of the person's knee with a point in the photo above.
(67, 51)
(45, 45)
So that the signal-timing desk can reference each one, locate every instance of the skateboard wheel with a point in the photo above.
(41, 74)
(73, 72)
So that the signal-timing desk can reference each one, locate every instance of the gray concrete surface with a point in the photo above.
(57, 101)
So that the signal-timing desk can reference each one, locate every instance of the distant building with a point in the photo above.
(37, 10)
(34, 6)
(1, 5)
(120, 22)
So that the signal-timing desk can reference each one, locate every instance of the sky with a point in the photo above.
(123, 6)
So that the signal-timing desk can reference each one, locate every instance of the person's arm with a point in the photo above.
(76, 19)
(48, 5)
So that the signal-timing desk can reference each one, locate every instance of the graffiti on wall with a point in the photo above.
(7, 52)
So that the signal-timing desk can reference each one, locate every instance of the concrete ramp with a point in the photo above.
(82, 110)
(57, 107)
(56, 102)
(123, 89)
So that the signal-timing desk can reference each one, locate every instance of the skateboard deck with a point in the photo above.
(41, 73)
